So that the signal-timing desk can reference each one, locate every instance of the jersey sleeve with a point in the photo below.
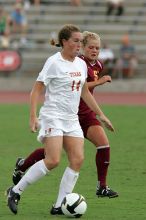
(47, 73)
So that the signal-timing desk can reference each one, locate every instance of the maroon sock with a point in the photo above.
(102, 163)
(35, 156)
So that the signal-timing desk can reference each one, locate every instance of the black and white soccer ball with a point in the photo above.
(74, 205)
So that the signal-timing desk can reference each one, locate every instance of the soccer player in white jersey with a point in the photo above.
(64, 78)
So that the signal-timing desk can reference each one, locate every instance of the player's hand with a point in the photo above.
(107, 123)
(34, 124)
(104, 79)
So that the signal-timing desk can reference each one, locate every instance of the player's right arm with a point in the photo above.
(92, 104)
(37, 90)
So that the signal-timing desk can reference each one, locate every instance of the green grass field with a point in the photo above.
(127, 173)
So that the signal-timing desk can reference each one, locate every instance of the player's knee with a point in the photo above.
(55, 162)
(77, 162)
(52, 162)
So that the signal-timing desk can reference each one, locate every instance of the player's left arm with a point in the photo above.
(99, 81)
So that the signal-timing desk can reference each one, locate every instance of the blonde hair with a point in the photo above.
(89, 35)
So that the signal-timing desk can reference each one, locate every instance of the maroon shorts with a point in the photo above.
(88, 120)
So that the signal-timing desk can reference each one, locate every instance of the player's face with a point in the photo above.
(73, 45)
(91, 50)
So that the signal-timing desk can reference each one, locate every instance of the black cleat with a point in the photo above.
(106, 192)
(56, 211)
(17, 173)
(13, 199)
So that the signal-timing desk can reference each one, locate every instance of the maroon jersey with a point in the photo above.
(93, 71)
(87, 117)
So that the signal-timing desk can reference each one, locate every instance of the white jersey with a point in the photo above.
(63, 80)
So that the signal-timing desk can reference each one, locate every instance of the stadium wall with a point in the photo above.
(118, 85)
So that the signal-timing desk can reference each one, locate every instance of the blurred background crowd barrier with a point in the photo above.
(29, 34)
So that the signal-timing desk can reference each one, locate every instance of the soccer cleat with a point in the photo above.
(13, 199)
(17, 173)
(106, 192)
(56, 211)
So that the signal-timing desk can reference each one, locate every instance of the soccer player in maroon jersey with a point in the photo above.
(91, 126)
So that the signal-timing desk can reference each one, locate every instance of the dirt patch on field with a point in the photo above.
(102, 98)
(121, 98)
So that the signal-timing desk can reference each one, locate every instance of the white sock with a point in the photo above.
(35, 172)
(67, 184)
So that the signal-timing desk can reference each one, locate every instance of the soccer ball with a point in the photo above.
(74, 205)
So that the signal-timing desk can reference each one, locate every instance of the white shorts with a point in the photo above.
(59, 127)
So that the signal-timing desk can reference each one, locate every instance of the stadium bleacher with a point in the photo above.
(48, 18)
